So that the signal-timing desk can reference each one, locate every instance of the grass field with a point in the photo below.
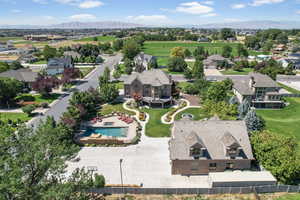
(285, 121)
(14, 117)
(197, 112)
(245, 71)
(86, 70)
(99, 39)
(162, 49)
(4, 39)
(109, 108)
(289, 197)
(155, 128)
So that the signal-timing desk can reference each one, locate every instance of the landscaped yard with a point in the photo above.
(245, 71)
(86, 70)
(198, 113)
(289, 197)
(99, 39)
(285, 121)
(38, 98)
(14, 117)
(155, 128)
(109, 108)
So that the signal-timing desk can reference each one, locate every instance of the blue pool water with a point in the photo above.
(107, 131)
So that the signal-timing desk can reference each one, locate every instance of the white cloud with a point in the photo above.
(90, 4)
(40, 1)
(209, 2)
(262, 2)
(238, 6)
(68, 1)
(210, 15)
(16, 11)
(83, 17)
(194, 8)
(298, 12)
(150, 19)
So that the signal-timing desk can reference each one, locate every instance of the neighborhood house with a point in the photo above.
(259, 89)
(57, 65)
(153, 86)
(200, 147)
(24, 75)
(142, 61)
(213, 61)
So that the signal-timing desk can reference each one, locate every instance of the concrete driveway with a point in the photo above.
(212, 72)
(147, 163)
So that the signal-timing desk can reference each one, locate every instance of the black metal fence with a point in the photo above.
(216, 190)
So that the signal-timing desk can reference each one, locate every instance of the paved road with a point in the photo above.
(92, 81)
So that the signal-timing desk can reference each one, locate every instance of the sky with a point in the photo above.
(147, 12)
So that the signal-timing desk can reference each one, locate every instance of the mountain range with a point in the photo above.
(124, 25)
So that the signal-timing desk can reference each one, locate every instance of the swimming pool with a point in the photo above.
(107, 131)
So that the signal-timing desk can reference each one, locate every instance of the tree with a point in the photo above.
(28, 109)
(15, 65)
(198, 69)
(187, 53)
(241, 51)
(217, 92)
(116, 74)
(243, 109)
(108, 92)
(49, 52)
(188, 74)
(153, 64)
(117, 45)
(254, 122)
(128, 66)
(199, 52)
(252, 42)
(177, 52)
(277, 154)
(33, 163)
(105, 78)
(45, 84)
(177, 64)
(227, 33)
(4, 67)
(130, 49)
(226, 51)
(9, 89)
(95, 39)
(69, 74)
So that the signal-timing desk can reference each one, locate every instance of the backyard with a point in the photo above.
(245, 71)
(285, 121)
(198, 113)
(155, 128)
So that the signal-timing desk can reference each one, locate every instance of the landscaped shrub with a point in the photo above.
(44, 105)
(25, 98)
(99, 181)
(28, 109)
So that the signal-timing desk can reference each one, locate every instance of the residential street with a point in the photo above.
(92, 81)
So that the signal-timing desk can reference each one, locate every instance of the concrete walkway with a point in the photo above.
(164, 117)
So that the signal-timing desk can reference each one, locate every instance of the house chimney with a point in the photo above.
(251, 82)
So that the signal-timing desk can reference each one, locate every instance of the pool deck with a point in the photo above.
(132, 129)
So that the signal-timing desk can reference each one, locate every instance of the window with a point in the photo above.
(194, 166)
(229, 165)
(212, 166)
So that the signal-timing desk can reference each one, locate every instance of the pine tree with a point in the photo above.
(254, 122)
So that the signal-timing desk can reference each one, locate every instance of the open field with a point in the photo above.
(4, 39)
(155, 128)
(99, 39)
(245, 71)
(162, 49)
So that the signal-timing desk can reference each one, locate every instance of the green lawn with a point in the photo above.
(120, 85)
(100, 39)
(245, 71)
(197, 112)
(14, 117)
(285, 121)
(154, 128)
(86, 70)
(38, 98)
(109, 108)
(40, 62)
(4, 39)
(289, 197)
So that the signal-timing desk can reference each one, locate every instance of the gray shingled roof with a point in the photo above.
(142, 56)
(23, 74)
(213, 134)
(241, 84)
(154, 77)
(55, 63)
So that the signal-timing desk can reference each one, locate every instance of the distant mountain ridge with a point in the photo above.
(266, 24)
(78, 25)
(263, 24)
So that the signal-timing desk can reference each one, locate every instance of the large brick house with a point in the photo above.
(201, 147)
(259, 89)
(153, 86)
